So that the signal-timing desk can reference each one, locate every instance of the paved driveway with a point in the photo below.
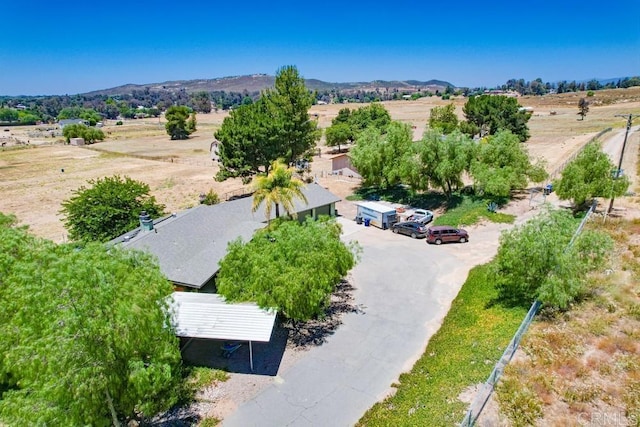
(405, 288)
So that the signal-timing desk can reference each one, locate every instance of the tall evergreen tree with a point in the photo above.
(278, 126)
(493, 113)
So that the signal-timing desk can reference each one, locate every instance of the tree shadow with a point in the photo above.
(431, 200)
(178, 416)
(315, 332)
(402, 194)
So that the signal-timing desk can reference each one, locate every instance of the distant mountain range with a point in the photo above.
(259, 82)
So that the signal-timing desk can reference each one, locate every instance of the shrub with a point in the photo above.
(211, 198)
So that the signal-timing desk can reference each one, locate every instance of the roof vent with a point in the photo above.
(146, 223)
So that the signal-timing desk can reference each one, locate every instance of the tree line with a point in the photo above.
(149, 103)
(537, 87)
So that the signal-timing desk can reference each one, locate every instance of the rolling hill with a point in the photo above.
(259, 82)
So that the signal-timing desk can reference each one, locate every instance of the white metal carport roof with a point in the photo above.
(201, 315)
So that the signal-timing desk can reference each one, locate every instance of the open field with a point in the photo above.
(37, 178)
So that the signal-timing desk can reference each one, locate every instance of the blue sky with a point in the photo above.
(71, 47)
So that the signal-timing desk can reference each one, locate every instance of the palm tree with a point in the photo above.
(277, 187)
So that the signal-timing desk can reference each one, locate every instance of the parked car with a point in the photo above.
(424, 217)
(410, 228)
(444, 234)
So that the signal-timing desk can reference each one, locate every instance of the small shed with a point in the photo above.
(76, 141)
(379, 215)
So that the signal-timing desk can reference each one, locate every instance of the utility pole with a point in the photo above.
(624, 144)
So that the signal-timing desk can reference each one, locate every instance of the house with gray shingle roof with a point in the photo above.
(190, 244)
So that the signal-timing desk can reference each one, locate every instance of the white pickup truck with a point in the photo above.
(422, 216)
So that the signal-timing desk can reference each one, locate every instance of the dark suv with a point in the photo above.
(443, 234)
(410, 228)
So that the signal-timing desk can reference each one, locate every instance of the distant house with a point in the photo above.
(66, 122)
(190, 244)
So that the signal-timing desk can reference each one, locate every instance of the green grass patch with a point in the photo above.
(470, 211)
(462, 353)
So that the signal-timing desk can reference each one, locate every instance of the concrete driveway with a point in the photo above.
(404, 288)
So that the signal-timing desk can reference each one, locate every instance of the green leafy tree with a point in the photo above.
(108, 209)
(89, 134)
(90, 115)
(583, 108)
(374, 115)
(501, 164)
(86, 334)
(490, 114)
(590, 174)
(338, 134)
(383, 159)
(201, 102)
(344, 116)
(28, 118)
(293, 267)
(9, 115)
(444, 118)
(441, 161)
(535, 262)
(177, 126)
(278, 187)
(342, 130)
(277, 126)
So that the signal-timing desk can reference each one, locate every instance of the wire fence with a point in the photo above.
(571, 158)
(236, 194)
(486, 390)
(167, 159)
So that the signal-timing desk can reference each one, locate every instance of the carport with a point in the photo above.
(208, 316)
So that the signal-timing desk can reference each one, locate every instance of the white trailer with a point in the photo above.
(377, 214)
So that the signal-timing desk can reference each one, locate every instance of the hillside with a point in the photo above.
(259, 82)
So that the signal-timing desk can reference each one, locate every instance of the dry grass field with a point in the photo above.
(38, 177)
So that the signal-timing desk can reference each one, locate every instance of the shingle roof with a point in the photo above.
(190, 244)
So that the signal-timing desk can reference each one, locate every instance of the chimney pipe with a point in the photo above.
(146, 223)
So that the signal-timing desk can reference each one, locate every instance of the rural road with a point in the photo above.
(404, 288)
(613, 145)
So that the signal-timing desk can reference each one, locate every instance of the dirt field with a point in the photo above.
(36, 178)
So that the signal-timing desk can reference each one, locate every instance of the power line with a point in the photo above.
(630, 118)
